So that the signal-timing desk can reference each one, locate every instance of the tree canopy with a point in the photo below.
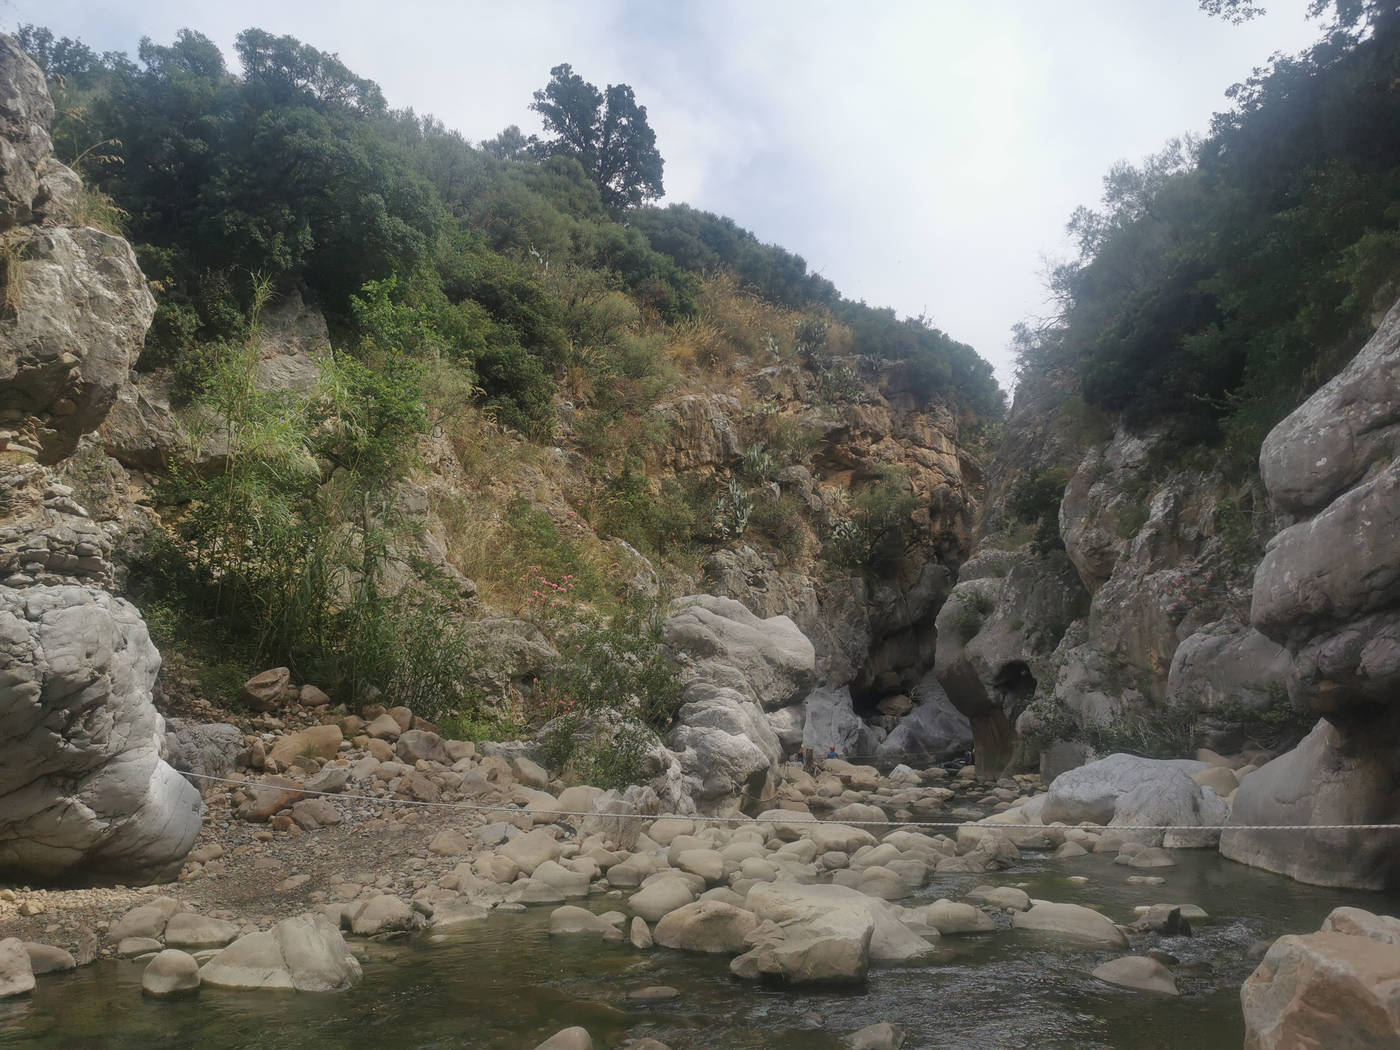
(296, 170)
(1223, 279)
(606, 132)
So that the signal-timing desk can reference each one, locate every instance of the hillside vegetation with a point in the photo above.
(1225, 278)
(495, 301)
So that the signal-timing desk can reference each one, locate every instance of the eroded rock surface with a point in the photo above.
(1333, 988)
(83, 787)
(1328, 590)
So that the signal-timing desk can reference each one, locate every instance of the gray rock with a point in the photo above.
(706, 926)
(657, 899)
(187, 929)
(807, 940)
(1129, 790)
(170, 973)
(1325, 780)
(508, 652)
(449, 843)
(83, 311)
(24, 126)
(882, 1036)
(459, 911)
(724, 743)
(1326, 445)
(573, 921)
(568, 1039)
(146, 920)
(305, 953)
(787, 724)
(76, 789)
(207, 749)
(383, 914)
(269, 690)
(136, 947)
(45, 958)
(1165, 919)
(313, 813)
(1139, 973)
(16, 974)
(1328, 590)
(933, 731)
(1325, 989)
(1070, 922)
(702, 431)
(770, 660)
(1226, 663)
(832, 722)
(949, 917)
(531, 850)
(995, 636)
(1009, 898)
(809, 907)
(639, 935)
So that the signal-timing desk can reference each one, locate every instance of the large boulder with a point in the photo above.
(1325, 780)
(172, 972)
(1126, 790)
(82, 783)
(1335, 988)
(706, 926)
(305, 953)
(806, 941)
(1328, 590)
(26, 153)
(16, 971)
(726, 746)
(721, 641)
(816, 908)
(832, 722)
(735, 667)
(82, 310)
(1070, 922)
(702, 431)
(933, 731)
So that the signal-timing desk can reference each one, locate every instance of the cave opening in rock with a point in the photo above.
(1015, 682)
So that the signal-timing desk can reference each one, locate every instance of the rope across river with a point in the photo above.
(797, 818)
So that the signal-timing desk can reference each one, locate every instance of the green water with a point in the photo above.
(504, 984)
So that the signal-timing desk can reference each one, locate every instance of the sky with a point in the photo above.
(921, 154)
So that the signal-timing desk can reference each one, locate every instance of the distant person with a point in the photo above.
(831, 751)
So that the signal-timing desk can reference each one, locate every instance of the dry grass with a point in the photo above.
(99, 211)
(11, 279)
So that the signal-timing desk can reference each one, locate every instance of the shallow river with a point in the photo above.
(504, 984)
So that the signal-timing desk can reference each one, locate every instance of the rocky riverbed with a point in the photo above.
(837, 888)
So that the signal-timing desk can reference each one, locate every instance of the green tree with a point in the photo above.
(607, 132)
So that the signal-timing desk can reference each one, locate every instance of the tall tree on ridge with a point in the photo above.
(606, 132)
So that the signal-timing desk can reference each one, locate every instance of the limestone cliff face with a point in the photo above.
(1328, 589)
(870, 633)
(1124, 607)
(84, 791)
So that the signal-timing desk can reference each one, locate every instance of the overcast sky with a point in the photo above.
(921, 155)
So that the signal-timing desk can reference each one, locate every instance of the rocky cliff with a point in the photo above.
(1107, 597)
(83, 787)
(1328, 590)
